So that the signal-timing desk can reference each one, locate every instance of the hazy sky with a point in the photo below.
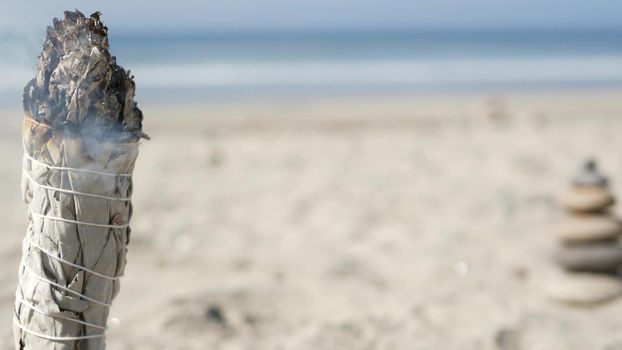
(165, 15)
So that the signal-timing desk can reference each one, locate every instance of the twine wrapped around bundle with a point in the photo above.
(80, 135)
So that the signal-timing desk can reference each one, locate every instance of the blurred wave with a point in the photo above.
(467, 72)
(215, 65)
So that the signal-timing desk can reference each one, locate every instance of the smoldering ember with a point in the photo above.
(81, 133)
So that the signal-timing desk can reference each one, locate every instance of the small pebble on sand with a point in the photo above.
(583, 289)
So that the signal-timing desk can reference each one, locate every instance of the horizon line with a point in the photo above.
(283, 31)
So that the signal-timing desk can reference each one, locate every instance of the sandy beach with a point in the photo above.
(412, 222)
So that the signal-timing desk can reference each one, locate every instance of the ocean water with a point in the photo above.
(231, 66)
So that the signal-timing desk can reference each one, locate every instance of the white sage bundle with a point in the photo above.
(80, 135)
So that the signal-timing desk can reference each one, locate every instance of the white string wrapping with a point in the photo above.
(48, 337)
(34, 308)
(62, 168)
(52, 188)
(79, 222)
(53, 256)
(52, 283)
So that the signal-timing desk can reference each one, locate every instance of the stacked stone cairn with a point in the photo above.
(588, 234)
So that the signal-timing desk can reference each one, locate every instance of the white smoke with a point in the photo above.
(22, 28)
(21, 35)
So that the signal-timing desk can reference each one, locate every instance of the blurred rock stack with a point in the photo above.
(588, 236)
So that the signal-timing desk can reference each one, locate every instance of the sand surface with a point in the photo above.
(387, 223)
